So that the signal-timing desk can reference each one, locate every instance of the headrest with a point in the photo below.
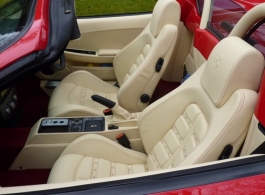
(233, 64)
(165, 12)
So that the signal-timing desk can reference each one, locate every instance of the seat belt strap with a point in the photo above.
(123, 140)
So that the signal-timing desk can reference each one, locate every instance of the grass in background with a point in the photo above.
(3, 2)
(110, 7)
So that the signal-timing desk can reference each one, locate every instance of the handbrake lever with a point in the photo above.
(118, 111)
(104, 101)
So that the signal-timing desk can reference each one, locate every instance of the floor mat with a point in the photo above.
(163, 88)
(11, 143)
(24, 177)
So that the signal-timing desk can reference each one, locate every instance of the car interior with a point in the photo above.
(134, 96)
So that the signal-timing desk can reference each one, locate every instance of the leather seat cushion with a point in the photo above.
(73, 95)
(94, 156)
(74, 167)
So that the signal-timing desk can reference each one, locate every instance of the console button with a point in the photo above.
(77, 121)
(14, 97)
(7, 110)
(11, 104)
(76, 128)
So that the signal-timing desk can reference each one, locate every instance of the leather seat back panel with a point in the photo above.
(164, 116)
(141, 76)
(187, 132)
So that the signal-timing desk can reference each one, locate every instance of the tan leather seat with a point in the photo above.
(134, 68)
(190, 125)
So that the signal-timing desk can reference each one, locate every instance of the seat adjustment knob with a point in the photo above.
(145, 98)
(159, 64)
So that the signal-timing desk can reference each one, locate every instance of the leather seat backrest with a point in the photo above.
(210, 110)
(135, 65)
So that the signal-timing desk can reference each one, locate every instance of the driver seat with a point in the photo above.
(138, 68)
(190, 125)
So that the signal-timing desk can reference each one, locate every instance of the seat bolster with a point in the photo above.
(64, 169)
(97, 146)
(69, 110)
(88, 80)
(165, 12)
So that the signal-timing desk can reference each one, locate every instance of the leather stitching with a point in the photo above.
(77, 168)
(100, 141)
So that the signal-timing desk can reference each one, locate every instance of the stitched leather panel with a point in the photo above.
(92, 168)
(82, 96)
(187, 132)
(138, 62)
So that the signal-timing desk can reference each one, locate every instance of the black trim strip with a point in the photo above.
(172, 180)
(210, 29)
(261, 128)
(81, 51)
(29, 22)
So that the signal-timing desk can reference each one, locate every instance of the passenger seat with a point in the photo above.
(138, 68)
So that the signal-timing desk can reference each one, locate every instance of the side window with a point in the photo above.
(224, 15)
(200, 4)
(257, 39)
(13, 18)
(113, 7)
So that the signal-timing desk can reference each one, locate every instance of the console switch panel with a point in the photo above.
(64, 125)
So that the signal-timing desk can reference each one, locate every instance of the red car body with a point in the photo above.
(34, 40)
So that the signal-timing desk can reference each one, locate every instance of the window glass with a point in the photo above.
(13, 17)
(225, 14)
(200, 4)
(257, 39)
(112, 7)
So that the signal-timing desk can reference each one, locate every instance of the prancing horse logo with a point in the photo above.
(218, 61)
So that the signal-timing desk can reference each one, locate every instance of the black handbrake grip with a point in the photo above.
(104, 101)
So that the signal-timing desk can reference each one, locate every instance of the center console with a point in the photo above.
(50, 136)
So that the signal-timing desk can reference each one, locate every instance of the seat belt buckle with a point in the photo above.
(123, 140)
(107, 112)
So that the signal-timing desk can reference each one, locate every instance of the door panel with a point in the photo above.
(101, 39)
(109, 32)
